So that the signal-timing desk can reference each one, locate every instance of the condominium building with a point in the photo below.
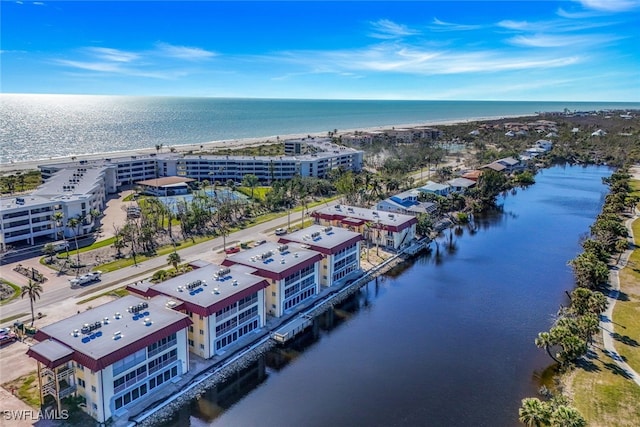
(74, 193)
(391, 230)
(114, 355)
(340, 249)
(292, 271)
(224, 304)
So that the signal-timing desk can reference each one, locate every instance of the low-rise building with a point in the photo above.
(224, 304)
(406, 203)
(293, 273)
(113, 355)
(391, 230)
(340, 249)
(435, 188)
(461, 185)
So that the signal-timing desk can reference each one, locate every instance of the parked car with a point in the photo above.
(86, 279)
(232, 250)
(259, 242)
(7, 336)
(280, 231)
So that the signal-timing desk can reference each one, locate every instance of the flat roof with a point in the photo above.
(275, 261)
(71, 183)
(461, 182)
(28, 200)
(210, 288)
(394, 221)
(103, 346)
(434, 186)
(51, 353)
(166, 181)
(327, 240)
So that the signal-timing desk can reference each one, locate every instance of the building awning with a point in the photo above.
(50, 353)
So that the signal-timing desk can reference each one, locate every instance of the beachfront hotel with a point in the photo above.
(292, 272)
(114, 355)
(75, 192)
(224, 304)
(393, 231)
(340, 249)
(322, 157)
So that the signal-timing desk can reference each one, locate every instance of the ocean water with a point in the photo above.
(37, 127)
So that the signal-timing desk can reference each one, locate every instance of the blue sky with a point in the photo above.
(573, 50)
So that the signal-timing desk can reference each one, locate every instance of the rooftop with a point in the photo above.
(70, 183)
(275, 260)
(106, 329)
(365, 215)
(165, 181)
(327, 240)
(212, 287)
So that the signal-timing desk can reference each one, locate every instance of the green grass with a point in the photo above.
(603, 396)
(26, 388)
(16, 292)
(14, 317)
(627, 311)
(97, 245)
(118, 293)
(259, 193)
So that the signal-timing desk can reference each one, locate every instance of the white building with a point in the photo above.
(75, 193)
(225, 304)
(406, 203)
(391, 230)
(293, 273)
(340, 249)
(114, 355)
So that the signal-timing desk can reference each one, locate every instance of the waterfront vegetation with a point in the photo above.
(602, 391)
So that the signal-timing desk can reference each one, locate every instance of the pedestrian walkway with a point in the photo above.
(606, 319)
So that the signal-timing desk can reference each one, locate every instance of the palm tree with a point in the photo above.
(566, 416)
(74, 224)
(174, 259)
(33, 290)
(534, 412)
(546, 340)
(251, 181)
(57, 218)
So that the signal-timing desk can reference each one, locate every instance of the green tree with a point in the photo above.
(589, 271)
(534, 412)
(251, 181)
(566, 416)
(49, 251)
(174, 259)
(74, 224)
(57, 218)
(33, 291)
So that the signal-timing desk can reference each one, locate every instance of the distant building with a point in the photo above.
(166, 186)
(435, 188)
(406, 203)
(460, 185)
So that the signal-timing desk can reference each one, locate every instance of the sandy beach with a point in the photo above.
(7, 168)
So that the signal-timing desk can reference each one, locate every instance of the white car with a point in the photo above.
(280, 231)
(259, 242)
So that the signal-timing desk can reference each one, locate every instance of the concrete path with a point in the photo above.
(606, 319)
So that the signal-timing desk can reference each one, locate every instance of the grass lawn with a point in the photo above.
(16, 292)
(627, 310)
(602, 394)
(26, 388)
(259, 193)
(118, 293)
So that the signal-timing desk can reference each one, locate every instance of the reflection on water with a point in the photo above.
(446, 340)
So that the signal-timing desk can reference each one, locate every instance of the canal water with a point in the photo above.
(446, 340)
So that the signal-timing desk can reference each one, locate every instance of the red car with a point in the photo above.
(232, 250)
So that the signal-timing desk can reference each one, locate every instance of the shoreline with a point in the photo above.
(28, 165)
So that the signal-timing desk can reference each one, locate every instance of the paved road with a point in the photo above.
(57, 289)
(606, 322)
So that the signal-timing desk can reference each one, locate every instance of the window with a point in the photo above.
(190, 328)
(201, 332)
(201, 346)
(93, 388)
(191, 343)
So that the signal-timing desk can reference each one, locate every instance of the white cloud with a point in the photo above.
(109, 54)
(386, 29)
(610, 5)
(545, 40)
(439, 25)
(184, 52)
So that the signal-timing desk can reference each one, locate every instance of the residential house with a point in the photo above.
(460, 185)
(435, 188)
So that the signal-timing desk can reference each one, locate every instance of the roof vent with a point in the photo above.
(296, 255)
(75, 332)
(105, 320)
(283, 248)
(171, 304)
(235, 283)
(282, 261)
(117, 335)
(327, 229)
(117, 315)
(216, 291)
(147, 321)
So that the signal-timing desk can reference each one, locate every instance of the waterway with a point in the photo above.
(444, 341)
